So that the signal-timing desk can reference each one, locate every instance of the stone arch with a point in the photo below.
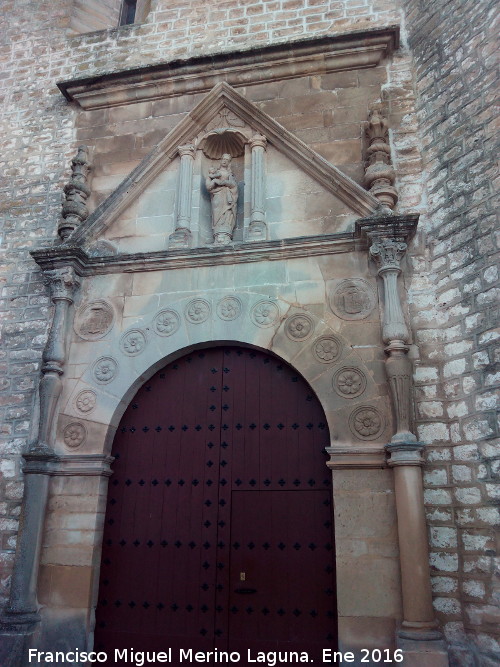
(296, 335)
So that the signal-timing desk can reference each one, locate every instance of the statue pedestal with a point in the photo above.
(257, 231)
(181, 238)
(221, 238)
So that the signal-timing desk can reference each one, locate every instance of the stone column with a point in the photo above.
(388, 255)
(23, 603)
(405, 456)
(257, 228)
(181, 237)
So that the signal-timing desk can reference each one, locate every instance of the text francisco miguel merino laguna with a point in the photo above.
(140, 658)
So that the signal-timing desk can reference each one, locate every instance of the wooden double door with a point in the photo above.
(218, 529)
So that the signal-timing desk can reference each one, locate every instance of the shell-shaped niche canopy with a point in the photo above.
(223, 140)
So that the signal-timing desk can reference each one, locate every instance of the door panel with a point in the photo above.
(223, 446)
(281, 545)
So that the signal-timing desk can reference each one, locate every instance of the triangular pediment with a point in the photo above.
(222, 107)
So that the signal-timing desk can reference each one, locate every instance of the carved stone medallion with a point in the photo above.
(366, 423)
(74, 435)
(229, 308)
(94, 320)
(166, 322)
(353, 299)
(133, 342)
(105, 369)
(265, 314)
(197, 311)
(299, 327)
(86, 401)
(349, 382)
(327, 349)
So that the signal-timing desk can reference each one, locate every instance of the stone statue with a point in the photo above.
(223, 189)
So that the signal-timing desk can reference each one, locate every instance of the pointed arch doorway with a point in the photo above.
(218, 529)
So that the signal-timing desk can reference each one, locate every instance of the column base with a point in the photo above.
(257, 231)
(16, 631)
(423, 652)
(181, 238)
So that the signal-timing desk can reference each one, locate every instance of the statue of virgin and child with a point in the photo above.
(223, 189)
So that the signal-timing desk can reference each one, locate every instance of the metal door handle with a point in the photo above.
(245, 591)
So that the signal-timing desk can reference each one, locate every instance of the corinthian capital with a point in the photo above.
(388, 253)
(186, 149)
(62, 283)
(258, 140)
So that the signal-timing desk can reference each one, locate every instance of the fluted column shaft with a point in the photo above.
(257, 227)
(181, 237)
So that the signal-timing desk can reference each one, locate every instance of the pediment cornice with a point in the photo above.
(331, 53)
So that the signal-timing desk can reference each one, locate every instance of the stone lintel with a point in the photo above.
(356, 457)
(75, 464)
(396, 227)
(355, 50)
(236, 253)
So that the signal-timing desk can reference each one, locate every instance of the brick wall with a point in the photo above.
(454, 307)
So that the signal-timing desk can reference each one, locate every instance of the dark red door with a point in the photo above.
(218, 529)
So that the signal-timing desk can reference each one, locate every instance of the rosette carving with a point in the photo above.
(229, 308)
(299, 327)
(265, 314)
(74, 435)
(133, 342)
(166, 322)
(105, 370)
(197, 311)
(327, 349)
(366, 423)
(349, 382)
(86, 401)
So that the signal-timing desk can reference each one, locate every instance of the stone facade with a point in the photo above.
(440, 139)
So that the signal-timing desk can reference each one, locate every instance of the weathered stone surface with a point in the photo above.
(450, 274)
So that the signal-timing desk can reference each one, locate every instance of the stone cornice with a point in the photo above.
(75, 464)
(85, 264)
(164, 260)
(396, 227)
(337, 52)
(351, 457)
